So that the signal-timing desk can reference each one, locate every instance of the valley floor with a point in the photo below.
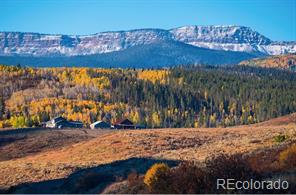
(54, 154)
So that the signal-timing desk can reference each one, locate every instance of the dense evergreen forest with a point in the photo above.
(195, 96)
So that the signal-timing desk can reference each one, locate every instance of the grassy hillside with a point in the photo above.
(281, 61)
(122, 152)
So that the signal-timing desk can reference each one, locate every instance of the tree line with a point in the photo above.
(191, 96)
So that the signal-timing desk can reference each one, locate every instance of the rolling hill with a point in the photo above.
(120, 152)
(287, 61)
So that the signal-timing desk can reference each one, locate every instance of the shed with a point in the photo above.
(124, 124)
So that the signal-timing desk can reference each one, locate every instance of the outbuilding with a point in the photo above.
(124, 124)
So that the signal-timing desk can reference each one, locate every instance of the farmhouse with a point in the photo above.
(124, 124)
(100, 125)
(61, 122)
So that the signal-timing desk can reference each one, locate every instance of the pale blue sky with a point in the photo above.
(275, 19)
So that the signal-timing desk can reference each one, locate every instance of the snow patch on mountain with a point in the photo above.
(227, 38)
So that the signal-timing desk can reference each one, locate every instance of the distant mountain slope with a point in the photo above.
(227, 38)
(280, 61)
(158, 54)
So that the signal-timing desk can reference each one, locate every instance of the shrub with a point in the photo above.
(188, 178)
(154, 173)
(224, 167)
(234, 166)
(280, 138)
(287, 158)
(135, 184)
(132, 179)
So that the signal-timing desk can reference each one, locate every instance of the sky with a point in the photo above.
(275, 19)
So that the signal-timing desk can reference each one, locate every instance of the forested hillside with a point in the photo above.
(177, 97)
(287, 61)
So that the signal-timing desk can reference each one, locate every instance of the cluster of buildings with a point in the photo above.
(61, 122)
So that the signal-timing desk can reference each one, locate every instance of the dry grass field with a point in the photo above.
(54, 154)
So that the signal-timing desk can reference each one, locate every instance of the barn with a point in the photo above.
(100, 125)
(124, 124)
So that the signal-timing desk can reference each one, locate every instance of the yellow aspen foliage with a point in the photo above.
(153, 75)
(6, 123)
(72, 109)
(101, 82)
(232, 108)
(65, 76)
(152, 175)
(135, 117)
(213, 119)
(227, 121)
(250, 119)
(18, 121)
(196, 124)
(244, 109)
(155, 119)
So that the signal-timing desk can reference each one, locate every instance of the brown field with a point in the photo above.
(52, 154)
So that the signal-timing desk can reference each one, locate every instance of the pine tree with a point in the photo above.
(2, 108)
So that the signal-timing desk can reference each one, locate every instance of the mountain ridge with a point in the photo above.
(216, 37)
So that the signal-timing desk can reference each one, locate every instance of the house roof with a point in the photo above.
(124, 122)
(59, 118)
(75, 122)
(98, 122)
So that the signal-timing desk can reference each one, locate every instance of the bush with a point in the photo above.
(154, 174)
(287, 158)
(225, 167)
(132, 179)
(188, 178)
(185, 179)
(135, 185)
(280, 138)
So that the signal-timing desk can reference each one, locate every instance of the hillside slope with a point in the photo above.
(166, 144)
(280, 61)
(284, 120)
